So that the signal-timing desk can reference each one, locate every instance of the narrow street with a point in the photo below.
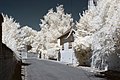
(47, 70)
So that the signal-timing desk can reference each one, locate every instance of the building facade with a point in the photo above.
(67, 53)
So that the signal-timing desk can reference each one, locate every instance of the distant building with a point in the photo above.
(67, 53)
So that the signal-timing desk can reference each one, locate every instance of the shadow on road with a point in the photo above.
(26, 64)
(17, 72)
(109, 75)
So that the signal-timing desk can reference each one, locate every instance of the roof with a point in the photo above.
(68, 31)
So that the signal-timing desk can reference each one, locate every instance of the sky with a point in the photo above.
(29, 12)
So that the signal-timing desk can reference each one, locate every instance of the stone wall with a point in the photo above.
(10, 67)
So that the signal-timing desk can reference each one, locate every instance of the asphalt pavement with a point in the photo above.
(48, 70)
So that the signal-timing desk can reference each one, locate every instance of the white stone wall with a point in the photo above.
(68, 55)
(23, 55)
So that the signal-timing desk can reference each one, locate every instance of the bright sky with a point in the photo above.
(29, 12)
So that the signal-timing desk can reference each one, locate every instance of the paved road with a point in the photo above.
(47, 70)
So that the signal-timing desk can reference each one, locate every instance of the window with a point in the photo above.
(95, 2)
(70, 45)
(63, 47)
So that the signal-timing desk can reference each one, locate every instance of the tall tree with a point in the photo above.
(54, 24)
(9, 32)
(101, 23)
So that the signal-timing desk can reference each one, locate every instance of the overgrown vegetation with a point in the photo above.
(83, 56)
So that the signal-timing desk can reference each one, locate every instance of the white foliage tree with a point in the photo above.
(26, 36)
(106, 40)
(9, 32)
(17, 38)
(37, 42)
(83, 35)
(53, 25)
(101, 24)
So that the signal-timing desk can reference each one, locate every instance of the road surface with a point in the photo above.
(48, 70)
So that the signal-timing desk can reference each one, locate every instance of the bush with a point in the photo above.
(83, 56)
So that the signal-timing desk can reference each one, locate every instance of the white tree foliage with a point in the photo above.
(106, 40)
(15, 37)
(101, 24)
(53, 25)
(98, 29)
(26, 36)
(9, 32)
